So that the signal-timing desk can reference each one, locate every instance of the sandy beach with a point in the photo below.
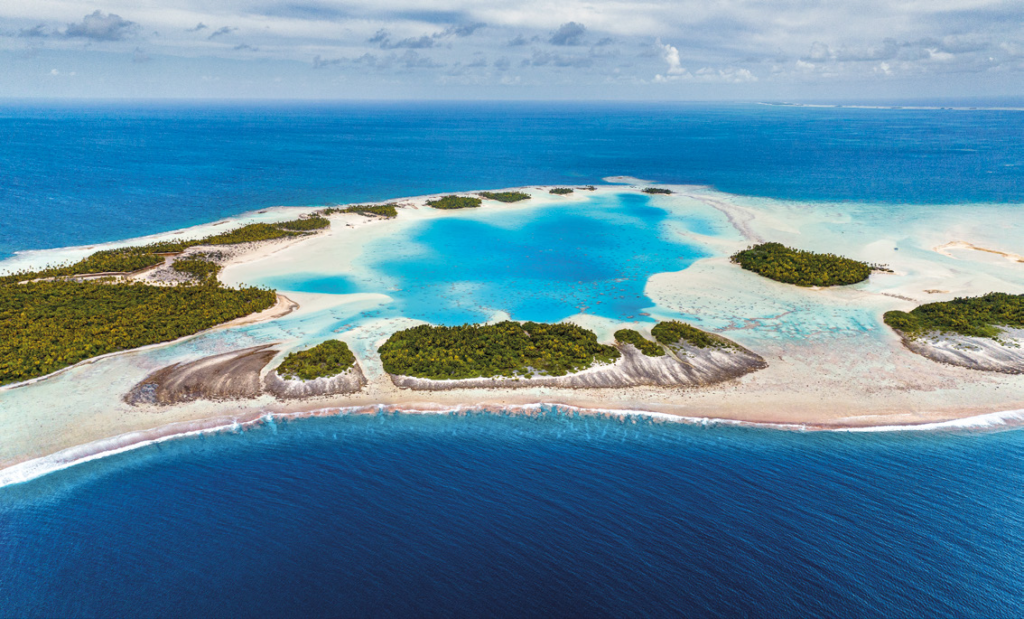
(832, 364)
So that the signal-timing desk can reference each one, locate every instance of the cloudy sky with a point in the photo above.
(531, 49)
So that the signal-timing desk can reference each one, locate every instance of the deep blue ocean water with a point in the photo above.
(73, 174)
(485, 515)
(491, 515)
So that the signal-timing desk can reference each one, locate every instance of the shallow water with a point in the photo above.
(510, 516)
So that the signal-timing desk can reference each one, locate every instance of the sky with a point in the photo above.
(786, 50)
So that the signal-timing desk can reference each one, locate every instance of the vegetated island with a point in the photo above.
(59, 316)
(644, 345)
(561, 191)
(387, 211)
(510, 354)
(657, 190)
(505, 196)
(802, 268)
(329, 368)
(454, 202)
(981, 333)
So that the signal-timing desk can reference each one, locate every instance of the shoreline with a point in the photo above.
(35, 468)
(832, 369)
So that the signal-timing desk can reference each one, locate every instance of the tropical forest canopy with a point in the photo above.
(505, 196)
(560, 191)
(973, 316)
(803, 268)
(454, 202)
(328, 358)
(644, 345)
(503, 349)
(388, 211)
(45, 326)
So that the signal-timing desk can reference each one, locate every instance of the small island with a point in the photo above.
(561, 191)
(657, 190)
(802, 268)
(329, 368)
(513, 355)
(981, 333)
(454, 202)
(505, 196)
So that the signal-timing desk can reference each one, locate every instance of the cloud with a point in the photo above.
(570, 33)
(246, 47)
(101, 27)
(33, 32)
(383, 39)
(140, 57)
(463, 30)
(541, 59)
(503, 63)
(221, 32)
(320, 62)
(479, 60)
(412, 60)
(197, 27)
(671, 56)
(517, 41)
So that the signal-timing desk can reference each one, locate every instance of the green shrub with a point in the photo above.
(803, 268)
(313, 222)
(560, 191)
(672, 332)
(328, 358)
(505, 196)
(644, 345)
(503, 349)
(657, 190)
(454, 202)
(973, 316)
(369, 210)
(197, 266)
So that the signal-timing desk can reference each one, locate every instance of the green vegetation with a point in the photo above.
(803, 268)
(329, 358)
(644, 345)
(657, 190)
(672, 332)
(973, 316)
(505, 196)
(589, 188)
(313, 222)
(503, 349)
(454, 202)
(129, 259)
(198, 266)
(368, 210)
(561, 191)
(45, 326)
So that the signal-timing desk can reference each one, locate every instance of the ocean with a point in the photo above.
(483, 514)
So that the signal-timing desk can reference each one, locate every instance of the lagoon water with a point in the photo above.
(493, 515)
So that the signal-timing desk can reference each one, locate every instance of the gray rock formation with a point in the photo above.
(232, 375)
(1004, 355)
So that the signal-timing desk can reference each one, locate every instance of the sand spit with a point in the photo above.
(944, 250)
(349, 381)
(693, 368)
(233, 375)
(1004, 355)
